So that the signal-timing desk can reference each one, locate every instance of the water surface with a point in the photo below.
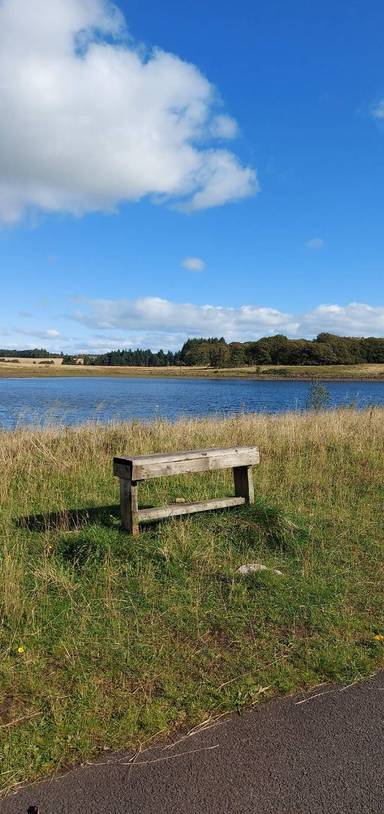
(72, 401)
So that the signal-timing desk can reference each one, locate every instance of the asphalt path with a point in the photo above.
(320, 753)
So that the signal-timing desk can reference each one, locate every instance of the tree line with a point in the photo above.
(325, 349)
(129, 358)
(35, 353)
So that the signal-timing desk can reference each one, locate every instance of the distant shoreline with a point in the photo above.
(335, 373)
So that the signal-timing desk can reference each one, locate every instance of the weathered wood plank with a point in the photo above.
(122, 470)
(142, 470)
(145, 471)
(129, 506)
(243, 479)
(189, 454)
(142, 467)
(175, 509)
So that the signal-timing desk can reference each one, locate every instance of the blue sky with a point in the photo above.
(170, 170)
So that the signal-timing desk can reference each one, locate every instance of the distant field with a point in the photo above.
(16, 362)
(24, 368)
(108, 642)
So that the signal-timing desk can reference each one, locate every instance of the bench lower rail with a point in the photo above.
(174, 509)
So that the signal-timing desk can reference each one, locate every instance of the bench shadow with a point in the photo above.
(69, 519)
(75, 519)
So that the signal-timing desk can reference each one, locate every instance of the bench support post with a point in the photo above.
(242, 476)
(129, 506)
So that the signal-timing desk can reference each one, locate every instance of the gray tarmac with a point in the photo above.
(320, 753)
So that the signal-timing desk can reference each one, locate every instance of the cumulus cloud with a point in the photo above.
(156, 314)
(193, 264)
(168, 323)
(355, 319)
(88, 120)
(315, 243)
(155, 323)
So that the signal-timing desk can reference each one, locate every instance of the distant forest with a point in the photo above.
(326, 349)
(36, 353)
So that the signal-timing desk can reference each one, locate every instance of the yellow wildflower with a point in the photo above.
(21, 650)
(379, 637)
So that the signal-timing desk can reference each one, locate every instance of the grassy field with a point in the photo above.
(27, 368)
(109, 642)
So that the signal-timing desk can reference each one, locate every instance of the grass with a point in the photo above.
(108, 641)
(26, 369)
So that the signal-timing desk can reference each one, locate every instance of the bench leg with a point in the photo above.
(242, 476)
(129, 506)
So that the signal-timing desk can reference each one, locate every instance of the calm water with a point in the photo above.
(75, 400)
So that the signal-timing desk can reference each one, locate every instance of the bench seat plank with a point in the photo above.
(143, 467)
(190, 454)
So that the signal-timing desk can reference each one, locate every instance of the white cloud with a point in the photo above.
(378, 110)
(355, 319)
(156, 314)
(156, 322)
(224, 127)
(315, 243)
(89, 121)
(51, 333)
(193, 264)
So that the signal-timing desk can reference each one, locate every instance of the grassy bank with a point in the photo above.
(108, 642)
(24, 369)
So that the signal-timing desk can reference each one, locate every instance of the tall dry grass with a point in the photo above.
(40, 465)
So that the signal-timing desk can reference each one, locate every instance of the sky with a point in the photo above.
(189, 169)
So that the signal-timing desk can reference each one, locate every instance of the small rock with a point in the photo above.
(254, 567)
(180, 500)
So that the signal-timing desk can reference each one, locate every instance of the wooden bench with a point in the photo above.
(133, 470)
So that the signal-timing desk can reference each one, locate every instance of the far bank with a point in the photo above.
(37, 368)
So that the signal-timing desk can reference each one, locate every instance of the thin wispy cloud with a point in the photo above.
(315, 243)
(224, 127)
(193, 264)
(50, 333)
(88, 120)
(378, 110)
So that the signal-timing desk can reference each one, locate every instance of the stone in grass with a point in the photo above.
(254, 567)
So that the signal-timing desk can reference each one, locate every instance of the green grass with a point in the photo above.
(124, 640)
